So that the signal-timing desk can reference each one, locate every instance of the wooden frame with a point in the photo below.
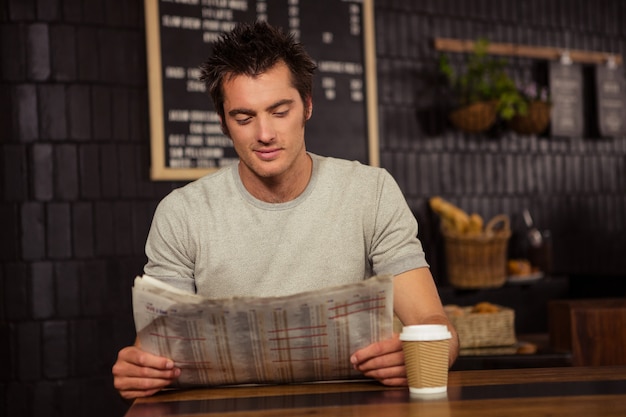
(158, 168)
(526, 51)
(371, 76)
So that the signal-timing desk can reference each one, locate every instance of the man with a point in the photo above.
(282, 220)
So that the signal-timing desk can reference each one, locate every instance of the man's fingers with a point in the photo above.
(131, 394)
(136, 356)
(133, 387)
(389, 360)
(383, 354)
(383, 373)
(383, 361)
(395, 382)
(139, 374)
(127, 370)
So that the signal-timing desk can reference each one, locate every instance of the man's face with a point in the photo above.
(265, 117)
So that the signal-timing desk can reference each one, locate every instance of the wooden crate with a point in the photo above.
(593, 330)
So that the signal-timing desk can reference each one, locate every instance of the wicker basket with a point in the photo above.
(478, 261)
(485, 329)
(535, 121)
(476, 117)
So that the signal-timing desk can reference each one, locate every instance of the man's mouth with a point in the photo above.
(267, 154)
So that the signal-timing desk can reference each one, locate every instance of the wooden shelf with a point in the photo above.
(527, 51)
(544, 357)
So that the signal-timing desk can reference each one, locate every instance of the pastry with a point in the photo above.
(485, 307)
(519, 267)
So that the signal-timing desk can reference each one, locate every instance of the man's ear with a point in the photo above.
(309, 108)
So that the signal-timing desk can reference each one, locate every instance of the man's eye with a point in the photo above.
(243, 121)
(281, 113)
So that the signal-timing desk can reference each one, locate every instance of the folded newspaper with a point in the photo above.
(303, 337)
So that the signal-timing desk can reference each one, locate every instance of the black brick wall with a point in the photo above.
(76, 201)
(574, 186)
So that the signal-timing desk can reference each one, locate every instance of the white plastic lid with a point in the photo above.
(425, 332)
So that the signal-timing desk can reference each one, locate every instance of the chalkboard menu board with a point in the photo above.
(566, 94)
(611, 100)
(186, 139)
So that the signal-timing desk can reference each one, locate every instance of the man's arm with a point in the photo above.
(416, 301)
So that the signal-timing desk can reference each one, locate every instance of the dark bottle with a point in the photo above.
(539, 245)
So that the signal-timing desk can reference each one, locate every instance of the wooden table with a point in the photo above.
(574, 391)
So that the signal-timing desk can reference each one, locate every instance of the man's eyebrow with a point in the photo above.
(249, 112)
(279, 103)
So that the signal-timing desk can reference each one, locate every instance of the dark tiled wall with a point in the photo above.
(76, 201)
(574, 186)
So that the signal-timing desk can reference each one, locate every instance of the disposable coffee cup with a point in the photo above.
(425, 350)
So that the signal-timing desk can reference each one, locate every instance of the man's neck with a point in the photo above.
(279, 189)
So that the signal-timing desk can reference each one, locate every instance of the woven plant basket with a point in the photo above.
(478, 261)
(535, 121)
(485, 329)
(476, 117)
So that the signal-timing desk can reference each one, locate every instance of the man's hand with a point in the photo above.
(383, 361)
(140, 374)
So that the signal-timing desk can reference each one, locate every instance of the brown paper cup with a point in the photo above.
(426, 361)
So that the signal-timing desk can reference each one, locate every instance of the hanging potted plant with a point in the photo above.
(483, 92)
(537, 116)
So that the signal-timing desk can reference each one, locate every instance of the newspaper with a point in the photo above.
(304, 337)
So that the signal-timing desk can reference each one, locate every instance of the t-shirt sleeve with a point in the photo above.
(395, 247)
(168, 246)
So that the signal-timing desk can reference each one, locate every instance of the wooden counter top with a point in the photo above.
(575, 391)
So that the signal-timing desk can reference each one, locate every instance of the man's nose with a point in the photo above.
(266, 131)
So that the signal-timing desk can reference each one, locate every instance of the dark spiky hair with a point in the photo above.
(251, 49)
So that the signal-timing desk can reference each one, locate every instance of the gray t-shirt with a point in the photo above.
(351, 222)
